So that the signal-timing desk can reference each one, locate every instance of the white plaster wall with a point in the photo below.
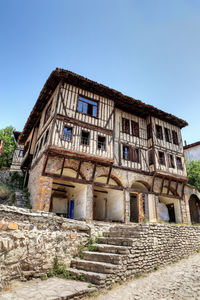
(192, 153)
(177, 208)
(115, 205)
(100, 205)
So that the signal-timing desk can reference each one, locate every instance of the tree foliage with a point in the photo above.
(193, 172)
(9, 145)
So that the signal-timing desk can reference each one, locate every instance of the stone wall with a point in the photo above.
(30, 240)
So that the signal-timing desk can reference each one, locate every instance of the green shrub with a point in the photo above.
(12, 198)
(17, 180)
(4, 191)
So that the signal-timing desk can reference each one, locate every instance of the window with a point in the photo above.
(171, 161)
(46, 136)
(149, 131)
(150, 154)
(131, 154)
(85, 138)
(125, 125)
(159, 132)
(21, 153)
(135, 128)
(135, 155)
(47, 113)
(87, 106)
(67, 134)
(175, 137)
(161, 158)
(101, 142)
(179, 163)
(126, 152)
(168, 135)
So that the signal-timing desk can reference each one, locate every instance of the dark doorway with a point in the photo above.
(194, 204)
(133, 208)
(171, 212)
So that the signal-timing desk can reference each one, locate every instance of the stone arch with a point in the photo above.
(140, 185)
(113, 180)
(71, 172)
(194, 206)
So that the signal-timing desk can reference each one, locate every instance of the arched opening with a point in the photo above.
(69, 198)
(194, 204)
(108, 204)
(169, 209)
(137, 201)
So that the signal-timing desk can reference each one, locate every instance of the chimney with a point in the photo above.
(185, 143)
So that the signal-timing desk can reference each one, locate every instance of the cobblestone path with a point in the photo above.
(180, 281)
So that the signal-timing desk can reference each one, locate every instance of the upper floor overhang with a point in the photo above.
(121, 101)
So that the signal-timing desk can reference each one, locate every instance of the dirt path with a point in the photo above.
(180, 281)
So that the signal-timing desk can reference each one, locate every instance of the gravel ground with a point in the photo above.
(180, 281)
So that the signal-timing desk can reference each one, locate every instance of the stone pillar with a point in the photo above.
(152, 208)
(43, 197)
(89, 202)
(185, 211)
(126, 206)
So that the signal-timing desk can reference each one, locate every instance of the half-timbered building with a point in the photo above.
(92, 153)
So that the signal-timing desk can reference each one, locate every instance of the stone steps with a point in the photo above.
(102, 257)
(94, 266)
(106, 248)
(93, 277)
(125, 234)
(118, 241)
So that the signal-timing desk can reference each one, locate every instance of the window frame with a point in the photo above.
(124, 120)
(101, 136)
(88, 132)
(181, 163)
(164, 161)
(89, 99)
(135, 127)
(68, 127)
(168, 131)
(157, 132)
(171, 163)
(131, 153)
(175, 137)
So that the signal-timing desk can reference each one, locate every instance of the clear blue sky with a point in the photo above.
(147, 49)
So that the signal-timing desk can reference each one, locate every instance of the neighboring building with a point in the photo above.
(192, 151)
(93, 153)
(17, 155)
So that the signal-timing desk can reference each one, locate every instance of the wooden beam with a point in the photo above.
(63, 164)
(45, 164)
(182, 192)
(162, 184)
(78, 171)
(109, 173)
(152, 185)
(176, 189)
(108, 186)
(168, 187)
(67, 178)
(93, 172)
(83, 124)
(109, 118)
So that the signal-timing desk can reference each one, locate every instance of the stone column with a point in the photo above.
(126, 206)
(152, 208)
(185, 211)
(43, 197)
(89, 202)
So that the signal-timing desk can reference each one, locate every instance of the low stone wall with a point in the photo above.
(29, 242)
(158, 244)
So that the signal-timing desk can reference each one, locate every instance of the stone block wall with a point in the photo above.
(30, 240)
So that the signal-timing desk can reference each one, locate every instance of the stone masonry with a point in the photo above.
(30, 240)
